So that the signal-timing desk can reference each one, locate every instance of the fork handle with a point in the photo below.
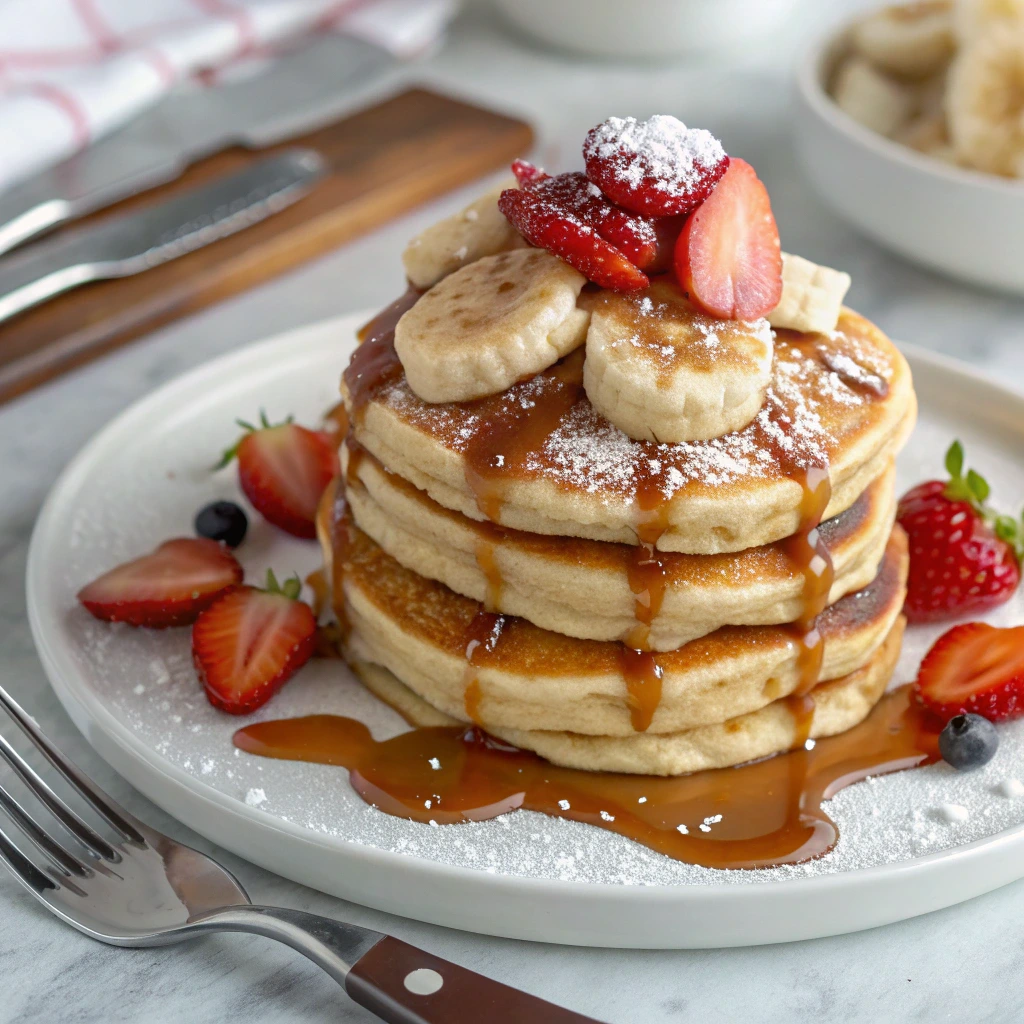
(398, 982)
(405, 985)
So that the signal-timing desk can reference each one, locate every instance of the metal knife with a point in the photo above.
(134, 242)
(300, 92)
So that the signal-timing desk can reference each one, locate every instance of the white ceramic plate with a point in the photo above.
(134, 695)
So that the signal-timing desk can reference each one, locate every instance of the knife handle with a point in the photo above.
(405, 985)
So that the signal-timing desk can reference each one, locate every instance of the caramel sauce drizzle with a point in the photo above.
(809, 555)
(374, 364)
(495, 454)
(509, 434)
(483, 635)
(486, 558)
(758, 815)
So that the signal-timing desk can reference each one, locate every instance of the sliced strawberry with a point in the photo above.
(974, 668)
(569, 217)
(168, 587)
(657, 167)
(527, 173)
(963, 557)
(728, 257)
(284, 470)
(250, 642)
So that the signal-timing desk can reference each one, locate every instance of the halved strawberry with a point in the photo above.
(284, 470)
(168, 587)
(657, 167)
(728, 257)
(975, 668)
(250, 642)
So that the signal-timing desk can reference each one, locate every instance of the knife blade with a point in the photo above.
(300, 92)
(131, 243)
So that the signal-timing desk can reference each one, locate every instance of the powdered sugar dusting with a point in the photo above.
(660, 151)
(808, 413)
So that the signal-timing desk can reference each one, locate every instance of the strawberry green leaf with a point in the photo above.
(978, 485)
(291, 588)
(955, 460)
(1006, 528)
(975, 490)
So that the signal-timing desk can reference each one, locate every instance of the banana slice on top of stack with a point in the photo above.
(661, 370)
(484, 327)
(477, 231)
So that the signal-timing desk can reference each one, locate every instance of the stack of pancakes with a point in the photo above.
(617, 604)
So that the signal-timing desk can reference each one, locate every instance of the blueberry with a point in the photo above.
(968, 741)
(224, 521)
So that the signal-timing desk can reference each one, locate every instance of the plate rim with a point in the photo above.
(306, 340)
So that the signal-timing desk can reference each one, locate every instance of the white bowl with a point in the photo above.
(962, 223)
(646, 28)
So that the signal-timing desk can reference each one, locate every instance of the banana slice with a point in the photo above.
(911, 40)
(812, 296)
(973, 17)
(927, 133)
(662, 371)
(985, 102)
(871, 98)
(479, 230)
(491, 323)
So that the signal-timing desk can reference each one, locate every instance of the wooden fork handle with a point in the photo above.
(404, 985)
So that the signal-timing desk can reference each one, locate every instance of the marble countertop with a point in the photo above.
(959, 964)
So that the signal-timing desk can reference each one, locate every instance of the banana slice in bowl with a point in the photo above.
(910, 41)
(493, 322)
(660, 370)
(985, 101)
(962, 218)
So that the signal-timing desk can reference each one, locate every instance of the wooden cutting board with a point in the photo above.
(383, 161)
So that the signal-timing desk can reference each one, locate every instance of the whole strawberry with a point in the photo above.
(963, 557)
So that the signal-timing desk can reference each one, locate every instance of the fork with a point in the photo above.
(146, 889)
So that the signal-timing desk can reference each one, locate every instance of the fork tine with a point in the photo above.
(61, 859)
(108, 809)
(24, 870)
(68, 819)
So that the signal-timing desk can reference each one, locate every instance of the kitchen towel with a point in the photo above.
(73, 70)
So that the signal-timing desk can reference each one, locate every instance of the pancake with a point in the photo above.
(525, 677)
(581, 588)
(838, 705)
(539, 458)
